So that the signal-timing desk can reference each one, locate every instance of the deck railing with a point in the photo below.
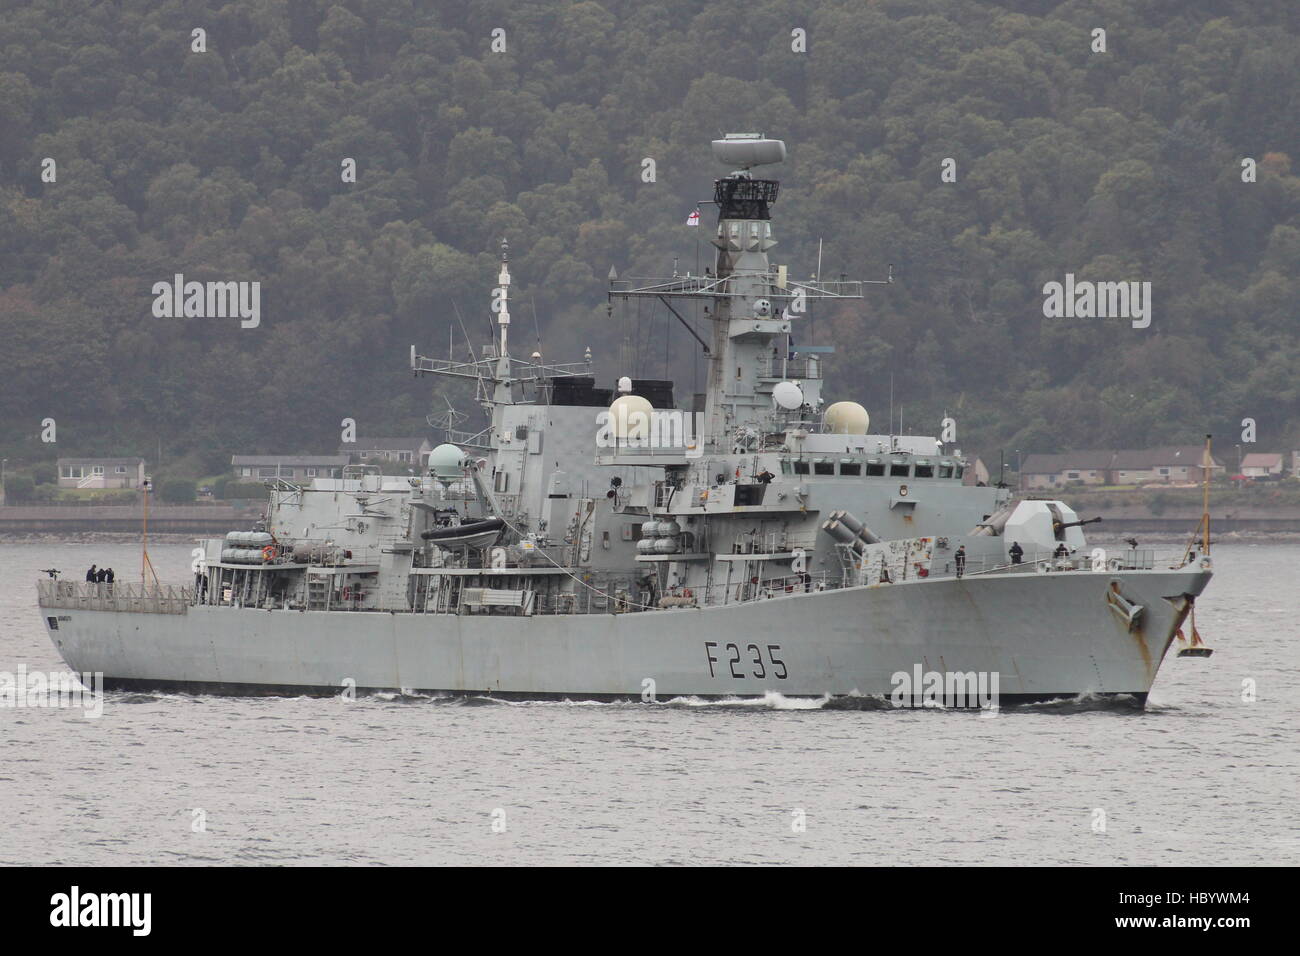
(118, 596)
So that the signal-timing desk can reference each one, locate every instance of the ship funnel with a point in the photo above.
(743, 150)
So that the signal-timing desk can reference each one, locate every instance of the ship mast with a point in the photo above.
(752, 305)
(502, 392)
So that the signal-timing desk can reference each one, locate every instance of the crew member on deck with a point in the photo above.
(960, 558)
(1016, 552)
(90, 575)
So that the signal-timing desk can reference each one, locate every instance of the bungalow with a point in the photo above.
(291, 467)
(1182, 463)
(1171, 463)
(1261, 465)
(413, 453)
(101, 472)
(1076, 467)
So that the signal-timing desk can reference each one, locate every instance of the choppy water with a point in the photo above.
(1201, 778)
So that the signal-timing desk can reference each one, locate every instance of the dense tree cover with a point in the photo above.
(226, 165)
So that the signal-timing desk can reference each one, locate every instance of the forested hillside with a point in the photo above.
(225, 165)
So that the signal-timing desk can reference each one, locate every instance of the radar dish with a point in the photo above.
(446, 421)
(788, 395)
(744, 150)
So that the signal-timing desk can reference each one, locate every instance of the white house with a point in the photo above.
(101, 472)
(1261, 465)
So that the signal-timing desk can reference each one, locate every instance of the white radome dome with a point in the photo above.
(788, 395)
(629, 417)
(445, 461)
(847, 418)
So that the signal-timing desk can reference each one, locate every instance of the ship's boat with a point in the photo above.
(470, 534)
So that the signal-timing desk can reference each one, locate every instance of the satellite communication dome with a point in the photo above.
(847, 418)
(445, 462)
(788, 395)
(629, 417)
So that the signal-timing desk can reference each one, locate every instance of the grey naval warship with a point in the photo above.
(605, 543)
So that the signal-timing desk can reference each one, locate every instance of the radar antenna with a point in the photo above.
(448, 420)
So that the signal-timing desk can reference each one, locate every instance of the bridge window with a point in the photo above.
(899, 469)
(801, 467)
(945, 471)
(850, 467)
(823, 467)
(925, 471)
(957, 471)
(875, 469)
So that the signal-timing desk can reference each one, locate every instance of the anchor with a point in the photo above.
(1196, 647)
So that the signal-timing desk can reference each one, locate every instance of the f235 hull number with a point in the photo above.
(747, 663)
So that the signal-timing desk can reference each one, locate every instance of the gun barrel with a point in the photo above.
(1077, 524)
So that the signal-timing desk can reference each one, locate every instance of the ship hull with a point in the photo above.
(1043, 636)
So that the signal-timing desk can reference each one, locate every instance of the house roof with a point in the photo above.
(1262, 459)
(1125, 459)
(387, 444)
(1166, 456)
(1069, 461)
(100, 461)
(293, 461)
